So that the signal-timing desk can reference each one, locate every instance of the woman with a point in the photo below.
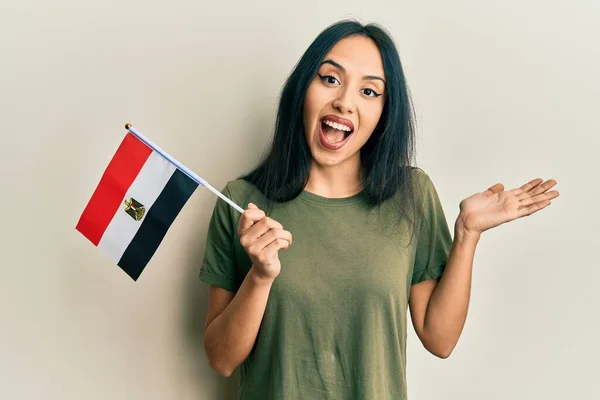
(326, 317)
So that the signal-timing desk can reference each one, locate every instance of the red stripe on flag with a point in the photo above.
(116, 180)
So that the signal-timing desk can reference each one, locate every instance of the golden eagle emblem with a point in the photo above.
(135, 209)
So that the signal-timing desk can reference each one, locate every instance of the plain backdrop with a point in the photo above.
(505, 91)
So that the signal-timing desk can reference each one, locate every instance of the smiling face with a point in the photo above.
(344, 102)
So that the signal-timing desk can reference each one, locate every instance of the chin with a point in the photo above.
(324, 158)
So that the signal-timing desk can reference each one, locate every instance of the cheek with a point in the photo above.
(312, 108)
(316, 98)
(308, 106)
(370, 117)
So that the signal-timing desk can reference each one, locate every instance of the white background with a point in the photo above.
(504, 91)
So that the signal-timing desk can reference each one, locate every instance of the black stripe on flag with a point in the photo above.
(161, 215)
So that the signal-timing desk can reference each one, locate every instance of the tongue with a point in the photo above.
(333, 135)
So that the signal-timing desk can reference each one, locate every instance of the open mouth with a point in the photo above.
(334, 134)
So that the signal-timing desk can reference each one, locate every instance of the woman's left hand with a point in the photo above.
(495, 206)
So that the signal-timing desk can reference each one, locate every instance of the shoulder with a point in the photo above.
(239, 187)
(425, 190)
(423, 184)
(243, 192)
(416, 184)
(421, 178)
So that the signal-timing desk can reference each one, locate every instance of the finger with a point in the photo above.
(526, 211)
(497, 188)
(276, 245)
(250, 236)
(538, 189)
(527, 201)
(282, 234)
(249, 217)
(262, 226)
(270, 236)
(527, 187)
(544, 187)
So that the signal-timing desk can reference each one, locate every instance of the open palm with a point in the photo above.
(495, 206)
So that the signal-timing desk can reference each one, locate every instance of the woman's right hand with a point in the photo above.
(262, 238)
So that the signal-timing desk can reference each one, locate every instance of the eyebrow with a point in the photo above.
(338, 66)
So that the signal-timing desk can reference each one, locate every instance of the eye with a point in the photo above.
(328, 79)
(371, 93)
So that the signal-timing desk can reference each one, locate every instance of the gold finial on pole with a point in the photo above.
(127, 126)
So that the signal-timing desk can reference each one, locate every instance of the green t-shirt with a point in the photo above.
(336, 318)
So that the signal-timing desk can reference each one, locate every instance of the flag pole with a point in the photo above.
(181, 167)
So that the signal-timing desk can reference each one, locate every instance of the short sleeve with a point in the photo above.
(434, 241)
(219, 266)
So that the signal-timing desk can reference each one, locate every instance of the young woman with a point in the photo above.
(323, 315)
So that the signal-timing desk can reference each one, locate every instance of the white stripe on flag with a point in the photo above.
(146, 188)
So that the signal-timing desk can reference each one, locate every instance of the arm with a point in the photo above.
(438, 308)
(232, 322)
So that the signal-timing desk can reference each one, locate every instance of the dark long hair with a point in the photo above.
(386, 157)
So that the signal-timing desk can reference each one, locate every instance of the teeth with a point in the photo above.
(337, 126)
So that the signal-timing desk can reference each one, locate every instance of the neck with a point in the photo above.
(336, 181)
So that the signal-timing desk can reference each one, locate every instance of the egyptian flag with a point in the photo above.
(139, 196)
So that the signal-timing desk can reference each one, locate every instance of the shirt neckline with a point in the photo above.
(315, 198)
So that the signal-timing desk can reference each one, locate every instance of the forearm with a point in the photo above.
(229, 338)
(447, 309)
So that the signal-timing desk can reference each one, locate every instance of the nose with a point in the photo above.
(344, 102)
